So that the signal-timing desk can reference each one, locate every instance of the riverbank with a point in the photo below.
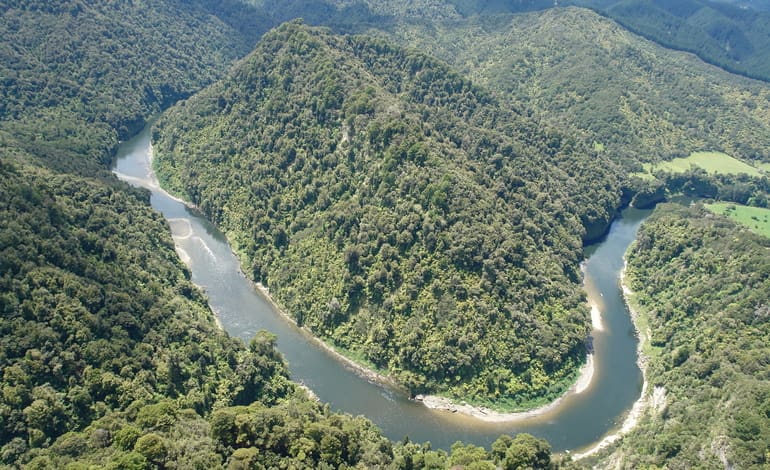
(640, 405)
(596, 304)
(364, 372)
(481, 413)
(434, 402)
(155, 182)
(438, 403)
(491, 416)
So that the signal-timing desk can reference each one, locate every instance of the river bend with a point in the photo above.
(579, 420)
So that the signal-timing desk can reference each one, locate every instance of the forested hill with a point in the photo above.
(702, 289)
(729, 34)
(585, 74)
(108, 352)
(109, 356)
(397, 210)
(77, 76)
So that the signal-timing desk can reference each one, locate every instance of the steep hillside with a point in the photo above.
(731, 34)
(728, 36)
(702, 287)
(78, 75)
(109, 356)
(101, 326)
(587, 75)
(397, 210)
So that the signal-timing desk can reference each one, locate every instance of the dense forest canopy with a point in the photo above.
(376, 192)
(100, 321)
(729, 34)
(441, 209)
(702, 285)
(109, 356)
(78, 75)
(574, 67)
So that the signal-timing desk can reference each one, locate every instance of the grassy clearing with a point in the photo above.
(757, 219)
(712, 162)
(763, 167)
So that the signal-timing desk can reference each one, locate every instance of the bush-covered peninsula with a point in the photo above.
(397, 210)
(109, 356)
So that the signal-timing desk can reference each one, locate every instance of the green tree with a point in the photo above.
(526, 452)
(153, 447)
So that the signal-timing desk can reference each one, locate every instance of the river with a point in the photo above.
(579, 420)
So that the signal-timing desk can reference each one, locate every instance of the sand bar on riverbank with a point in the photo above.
(640, 405)
(492, 416)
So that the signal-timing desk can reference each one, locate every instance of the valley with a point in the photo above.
(417, 186)
(614, 385)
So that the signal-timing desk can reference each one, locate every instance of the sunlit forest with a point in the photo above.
(415, 183)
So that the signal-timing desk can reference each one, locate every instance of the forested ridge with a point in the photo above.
(109, 355)
(79, 75)
(584, 74)
(397, 210)
(701, 286)
(729, 34)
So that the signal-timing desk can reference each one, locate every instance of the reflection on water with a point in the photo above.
(580, 420)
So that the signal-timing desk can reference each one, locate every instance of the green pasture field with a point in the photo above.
(712, 162)
(757, 219)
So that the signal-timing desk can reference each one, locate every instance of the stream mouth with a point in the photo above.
(576, 422)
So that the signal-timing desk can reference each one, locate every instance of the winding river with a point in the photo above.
(580, 419)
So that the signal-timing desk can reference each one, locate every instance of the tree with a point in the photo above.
(152, 447)
(525, 452)
(466, 454)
